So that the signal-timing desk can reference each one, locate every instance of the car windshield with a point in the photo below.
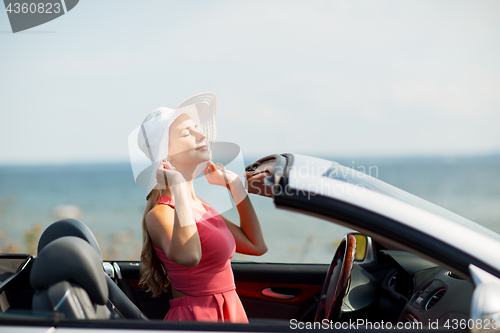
(355, 177)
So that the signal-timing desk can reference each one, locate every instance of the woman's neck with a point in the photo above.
(187, 172)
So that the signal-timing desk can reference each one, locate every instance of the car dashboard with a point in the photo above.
(408, 289)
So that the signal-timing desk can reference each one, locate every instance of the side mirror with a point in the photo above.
(256, 175)
(485, 308)
(364, 249)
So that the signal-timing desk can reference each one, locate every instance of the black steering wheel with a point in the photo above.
(337, 281)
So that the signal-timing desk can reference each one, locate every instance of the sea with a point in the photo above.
(106, 198)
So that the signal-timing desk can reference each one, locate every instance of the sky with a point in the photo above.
(324, 78)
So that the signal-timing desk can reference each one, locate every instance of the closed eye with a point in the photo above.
(188, 129)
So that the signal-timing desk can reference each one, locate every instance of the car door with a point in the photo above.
(267, 290)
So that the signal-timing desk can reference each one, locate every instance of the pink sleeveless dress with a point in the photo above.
(210, 284)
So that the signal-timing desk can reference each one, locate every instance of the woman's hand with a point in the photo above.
(217, 175)
(248, 235)
(167, 175)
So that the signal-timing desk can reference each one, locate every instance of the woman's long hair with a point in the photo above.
(153, 273)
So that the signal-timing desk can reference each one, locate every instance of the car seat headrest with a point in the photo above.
(70, 259)
(68, 227)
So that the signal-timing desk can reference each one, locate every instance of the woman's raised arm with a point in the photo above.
(248, 235)
(174, 230)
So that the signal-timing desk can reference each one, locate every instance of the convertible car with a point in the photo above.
(410, 265)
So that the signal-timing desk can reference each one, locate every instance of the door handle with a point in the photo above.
(270, 293)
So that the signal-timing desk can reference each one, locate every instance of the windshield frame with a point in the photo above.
(302, 189)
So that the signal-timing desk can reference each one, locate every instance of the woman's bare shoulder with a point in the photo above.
(160, 214)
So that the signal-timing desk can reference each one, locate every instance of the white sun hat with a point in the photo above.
(152, 136)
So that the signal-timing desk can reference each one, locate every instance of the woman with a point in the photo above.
(183, 237)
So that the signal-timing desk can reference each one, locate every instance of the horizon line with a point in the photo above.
(256, 157)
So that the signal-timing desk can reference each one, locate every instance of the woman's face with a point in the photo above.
(186, 144)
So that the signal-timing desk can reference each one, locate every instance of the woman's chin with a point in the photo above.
(203, 155)
(193, 158)
(198, 158)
